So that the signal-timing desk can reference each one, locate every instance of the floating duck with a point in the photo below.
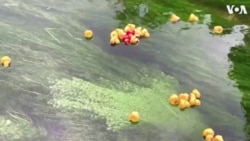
(173, 99)
(6, 61)
(218, 138)
(134, 40)
(138, 32)
(196, 93)
(192, 99)
(114, 41)
(193, 18)
(129, 27)
(113, 34)
(88, 34)
(147, 35)
(208, 131)
(187, 104)
(174, 18)
(218, 29)
(126, 39)
(197, 102)
(184, 96)
(134, 117)
(120, 33)
(143, 32)
(209, 138)
(182, 104)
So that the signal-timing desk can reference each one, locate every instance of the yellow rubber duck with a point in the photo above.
(139, 29)
(218, 138)
(187, 104)
(197, 102)
(184, 96)
(88, 34)
(192, 99)
(134, 117)
(208, 131)
(6, 61)
(134, 40)
(131, 26)
(113, 34)
(209, 138)
(114, 41)
(144, 31)
(173, 99)
(174, 18)
(196, 93)
(218, 29)
(182, 104)
(120, 33)
(147, 35)
(193, 18)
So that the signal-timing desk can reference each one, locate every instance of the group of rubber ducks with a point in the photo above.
(193, 19)
(130, 35)
(209, 135)
(5, 61)
(185, 100)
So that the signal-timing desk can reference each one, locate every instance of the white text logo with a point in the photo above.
(231, 9)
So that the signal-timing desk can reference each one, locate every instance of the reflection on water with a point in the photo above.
(240, 57)
(194, 56)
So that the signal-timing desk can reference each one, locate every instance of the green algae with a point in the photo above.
(115, 106)
(15, 129)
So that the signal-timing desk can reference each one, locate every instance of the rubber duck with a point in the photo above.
(187, 104)
(197, 102)
(209, 138)
(218, 138)
(114, 41)
(113, 34)
(118, 30)
(147, 35)
(138, 35)
(6, 61)
(126, 39)
(138, 29)
(184, 96)
(193, 18)
(130, 33)
(144, 31)
(196, 93)
(192, 99)
(134, 40)
(218, 29)
(174, 18)
(131, 26)
(182, 104)
(173, 99)
(120, 33)
(208, 131)
(134, 117)
(88, 34)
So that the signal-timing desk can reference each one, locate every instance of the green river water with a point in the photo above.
(62, 87)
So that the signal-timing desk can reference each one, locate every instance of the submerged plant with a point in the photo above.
(77, 95)
(16, 129)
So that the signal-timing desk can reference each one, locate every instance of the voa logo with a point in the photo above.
(231, 9)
